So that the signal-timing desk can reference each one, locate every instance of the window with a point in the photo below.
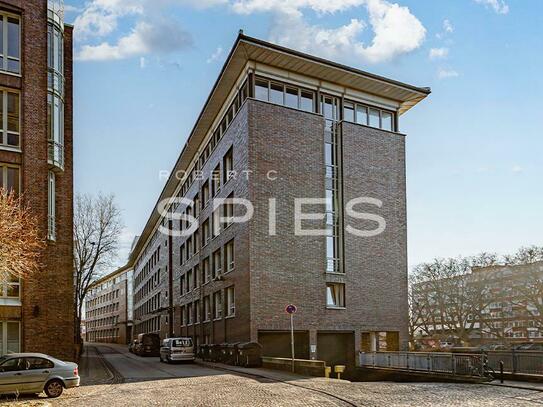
(348, 112)
(11, 288)
(51, 207)
(217, 263)
(9, 178)
(217, 302)
(261, 89)
(361, 114)
(10, 46)
(196, 276)
(182, 285)
(182, 254)
(285, 95)
(206, 233)
(228, 211)
(190, 281)
(230, 302)
(216, 180)
(386, 120)
(335, 295)
(196, 311)
(196, 238)
(206, 272)
(216, 220)
(229, 256)
(374, 118)
(9, 119)
(196, 206)
(205, 193)
(183, 316)
(189, 314)
(9, 337)
(207, 308)
(228, 166)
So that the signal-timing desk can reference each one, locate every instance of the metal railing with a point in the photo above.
(517, 361)
(458, 364)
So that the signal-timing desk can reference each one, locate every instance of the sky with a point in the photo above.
(143, 69)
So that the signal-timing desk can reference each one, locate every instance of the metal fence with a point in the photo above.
(520, 361)
(461, 364)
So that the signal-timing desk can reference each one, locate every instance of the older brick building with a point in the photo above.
(36, 160)
(108, 308)
(278, 126)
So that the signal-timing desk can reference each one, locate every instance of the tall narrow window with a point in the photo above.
(291, 97)
(229, 256)
(10, 46)
(276, 93)
(228, 166)
(10, 178)
(307, 101)
(217, 302)
(9, 119)
(262, 89)
(230, 302)
(216, 180)
(207, 308)
(206, 272)
(217, 263)
(228, 210)
(216, 220)
(335, 295)
(52, 206)
(205, 194)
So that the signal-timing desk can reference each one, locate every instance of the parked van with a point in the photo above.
(147, 345)
(177, 349)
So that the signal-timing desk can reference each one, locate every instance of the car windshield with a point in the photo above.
(182, 343)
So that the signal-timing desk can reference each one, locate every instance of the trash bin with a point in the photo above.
(215, 352)
(203, 352)
(231, 353)
(223, 352)
(250, 354)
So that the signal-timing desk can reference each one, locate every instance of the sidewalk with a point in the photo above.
(92, 368)
(517, 385)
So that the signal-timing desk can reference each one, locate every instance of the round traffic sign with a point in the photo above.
(291, 309)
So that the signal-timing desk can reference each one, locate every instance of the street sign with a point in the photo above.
(291, 309)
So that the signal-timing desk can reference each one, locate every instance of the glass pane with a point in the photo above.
(13, 37)
(328, 154)
(327, 108)
(374, 118)
(386, 121)
(330, 247)
(291, 98)
(276, 93)
(361, 114)
(306, 101)
(13, 66)
(13, 337)
(348, 112)
(13, 140)
(261, 90)
(13, 179)
(330, 300)
(13, 112)
(13, 290)
(1, 39)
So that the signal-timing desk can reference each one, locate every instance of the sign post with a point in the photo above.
(291, 309)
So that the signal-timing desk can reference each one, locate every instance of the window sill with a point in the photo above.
(230, 316)
(334, 273)
(217, 319)
(11, 148)
(332, 307)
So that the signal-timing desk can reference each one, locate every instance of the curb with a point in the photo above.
(514, 386)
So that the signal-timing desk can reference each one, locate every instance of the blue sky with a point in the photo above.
(145, 67)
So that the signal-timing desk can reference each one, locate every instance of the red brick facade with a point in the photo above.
(47, 322)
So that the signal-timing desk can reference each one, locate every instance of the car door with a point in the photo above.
(39, 370)
(11, 375)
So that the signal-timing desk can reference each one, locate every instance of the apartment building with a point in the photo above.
(109, 308)
(280, 125)
(502, 304)
(36, 315)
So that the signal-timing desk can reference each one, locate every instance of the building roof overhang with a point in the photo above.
(246, 49)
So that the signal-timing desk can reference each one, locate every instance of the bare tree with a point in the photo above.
(97, 228)
(20, 241)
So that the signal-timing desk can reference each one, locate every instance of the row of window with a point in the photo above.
(103, 298)
(213, 308)
(151, 305)
(368, 116)
(148, 267)
(147, 326)
(106, 309)
(103, 322)
(211, 267)
(149, 286)
(103, 335)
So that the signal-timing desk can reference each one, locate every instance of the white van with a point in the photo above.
(177, 349)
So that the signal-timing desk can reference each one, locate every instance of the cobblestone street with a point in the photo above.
(113, 377)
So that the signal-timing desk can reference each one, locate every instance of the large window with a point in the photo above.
(10, 44)
(10, 119)
(368, 116)
(11, 288)
(286, 95)
(9, 337)
(9, 178)
(335, 295)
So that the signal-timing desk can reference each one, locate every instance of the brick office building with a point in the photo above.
(36, 160)
(281, 125)
(108, 308)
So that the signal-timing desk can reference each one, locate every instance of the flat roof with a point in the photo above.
(247, 49)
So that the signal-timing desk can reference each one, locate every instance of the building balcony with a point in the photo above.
(55, 11)
(55, 155)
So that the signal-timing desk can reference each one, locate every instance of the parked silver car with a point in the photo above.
(177, 349)
(35, 372)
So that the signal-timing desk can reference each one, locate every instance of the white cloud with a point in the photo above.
(447, 26)
(437, 53)
(396, 30)
(216, 55)
(517, 169)
(447, 73)
(143, 63)
(164, 37)
(499, 6)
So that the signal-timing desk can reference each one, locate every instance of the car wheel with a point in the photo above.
(53, 388)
